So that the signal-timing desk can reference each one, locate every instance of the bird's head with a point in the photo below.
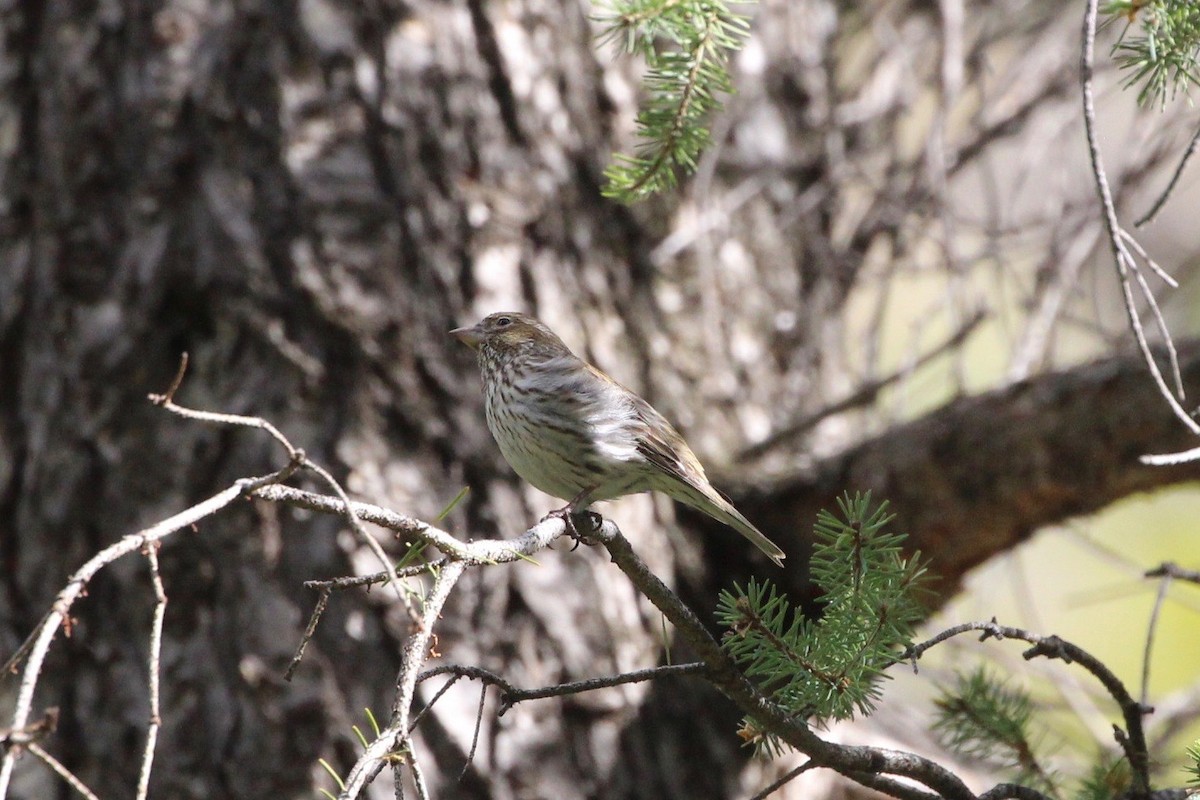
(508, 333)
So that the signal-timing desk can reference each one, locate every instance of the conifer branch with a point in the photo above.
(684, 79)
(1163, 55)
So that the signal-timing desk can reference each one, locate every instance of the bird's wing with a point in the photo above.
(663, 447)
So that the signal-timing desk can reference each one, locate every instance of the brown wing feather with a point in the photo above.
(663, 447)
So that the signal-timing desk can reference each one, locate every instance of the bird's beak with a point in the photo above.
(471, 336)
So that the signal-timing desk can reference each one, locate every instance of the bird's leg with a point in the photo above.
(571, 510)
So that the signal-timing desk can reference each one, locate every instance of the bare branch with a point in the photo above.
(396, 735)
(862, 764)
(61, 607)
(152, 669)
(168, 397)
(418, 780)
(366, 538)
(511, 695)
(1012, 791)
(298, 457)
(863, 395)
(1054, 647)
(1173, 570)
(475, 733)
(1162, 198)
(31, 733)
(1124, 262)
(354, 581)
(71, 778)
(784, 781)
(309, 631)
(1164, 586)
(485, 551)
(1170, 459)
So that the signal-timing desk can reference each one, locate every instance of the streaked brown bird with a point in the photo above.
(576, 434)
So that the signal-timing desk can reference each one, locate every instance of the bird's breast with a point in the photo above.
(564, 434)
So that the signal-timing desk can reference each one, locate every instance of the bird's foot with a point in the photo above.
(575, 519)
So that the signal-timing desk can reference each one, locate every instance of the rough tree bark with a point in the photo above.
(305, 196)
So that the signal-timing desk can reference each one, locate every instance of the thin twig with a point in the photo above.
(415, 650)
(1163, 586)
(1162, 198)
(309, 631)
(1163, 275)
(1124, 262)
(297, 456)
(168, 397)
(66, 774)
(1054, 647)
(861, 396)
(153, 669)
(354, 581)
(81, 577)
(511, 695)
(10, 666)
(418, 776)
(364, 535)
(475, 736)
(1161, 322)
(16, 738)
(1171, 459)
(416, 720)
(784, 781)
(1173, 570)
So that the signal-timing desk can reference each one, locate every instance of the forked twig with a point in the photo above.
(297, 456)
(78, 581)
(1117, 237)
(396, 735)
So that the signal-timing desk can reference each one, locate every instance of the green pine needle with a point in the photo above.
(1109, 777)
(1159, 49)
(982, 718)
(333, 774)
(686, 46)
(374, 722)
(1193, 769)
(831, 667)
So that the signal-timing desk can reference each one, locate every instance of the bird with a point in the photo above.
(576, 434)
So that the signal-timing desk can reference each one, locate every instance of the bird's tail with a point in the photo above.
(720, 509)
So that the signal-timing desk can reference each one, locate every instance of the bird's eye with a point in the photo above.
(503, 322)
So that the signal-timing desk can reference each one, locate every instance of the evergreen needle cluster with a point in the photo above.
(831, 667)
(1162, 53)
(983, 719)
(686, 46)
(1109, 777)
(1193, 768)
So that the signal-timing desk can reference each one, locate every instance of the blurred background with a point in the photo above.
(889, 272)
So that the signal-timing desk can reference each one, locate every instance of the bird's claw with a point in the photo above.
(589, 519)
